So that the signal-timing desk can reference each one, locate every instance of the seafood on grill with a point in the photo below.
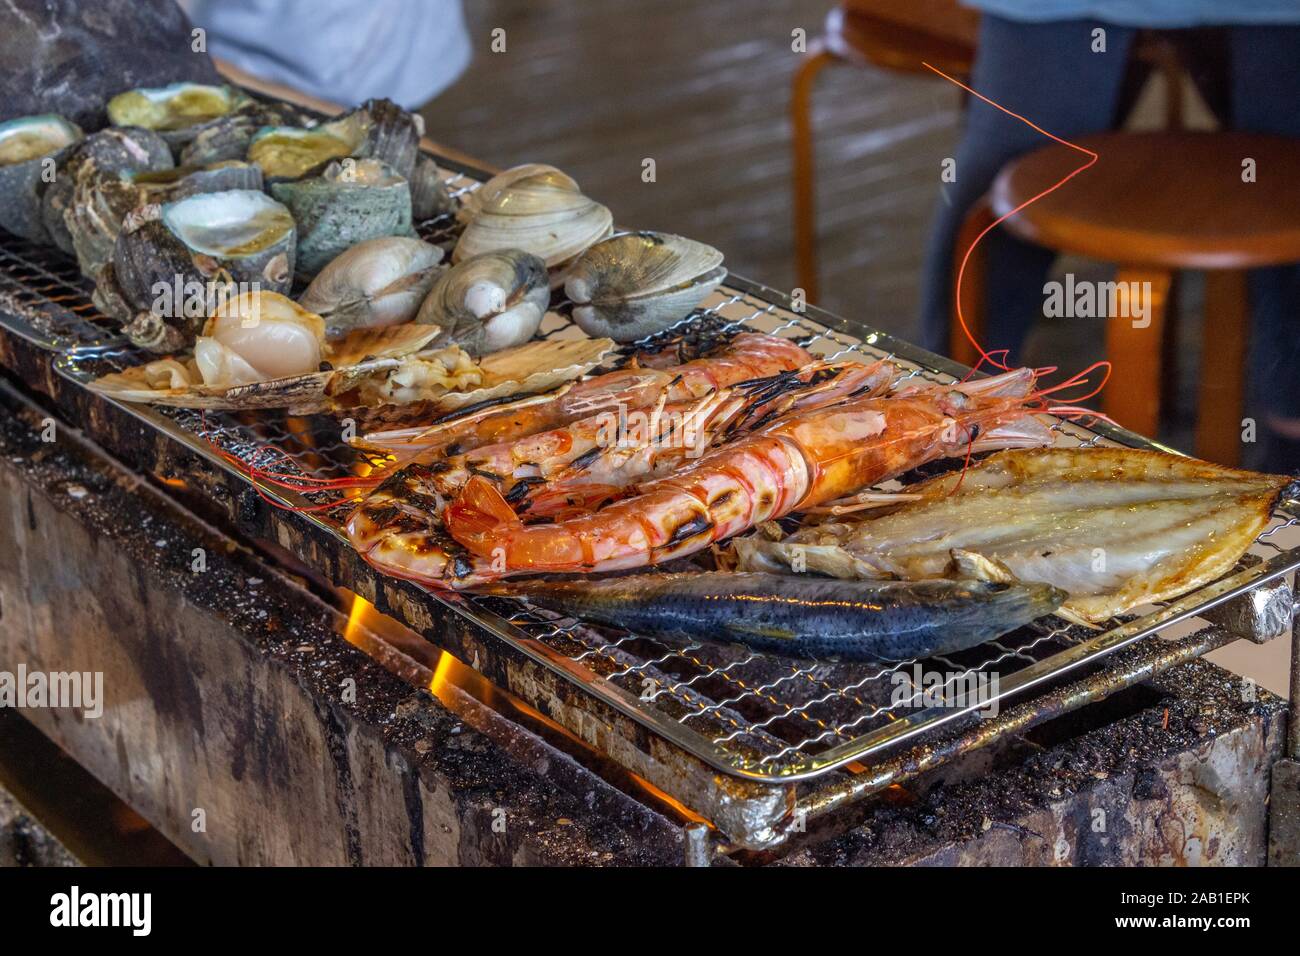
(799, 460)
(489, 302)
(378, 129)
(600, 458)
(115, 150)
(533, 207)
(228, 137)
(635, 284)
(376, 282)
(101, 201)
(29, 150)
(178, 112)
(801, 616)
(1116, 528)
(747, 356)
(262, 350)
(352, 200)
(202, 244)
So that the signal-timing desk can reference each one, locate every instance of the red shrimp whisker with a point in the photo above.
(1080, 378)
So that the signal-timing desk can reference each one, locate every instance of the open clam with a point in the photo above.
(638, 283)
(375, 283)
(29, 146)
(351, 201)
(101, 201)
(178, 112)
(171, 261)
(116, 150)
(535, 208)
(490, 301)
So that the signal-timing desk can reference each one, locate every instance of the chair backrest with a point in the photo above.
(942, 19)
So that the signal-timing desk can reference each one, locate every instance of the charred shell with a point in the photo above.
(351, 201)
(489, 302)
(28, 146)
(638, 283)
(192, 249)
(117, 150)
(102, 200)
(429, 195)
(177, 112)
(375, 283)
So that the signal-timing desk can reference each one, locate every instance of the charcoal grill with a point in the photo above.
(756, 745)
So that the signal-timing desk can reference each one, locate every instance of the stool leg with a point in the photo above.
(1135, 349)
(805, 227)
(1223, 368)
(972, 286)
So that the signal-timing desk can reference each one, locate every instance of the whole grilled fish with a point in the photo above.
(1115, 527)
(801, 615)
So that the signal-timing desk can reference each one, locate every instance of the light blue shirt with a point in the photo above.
(343, 51)
(1146, 13)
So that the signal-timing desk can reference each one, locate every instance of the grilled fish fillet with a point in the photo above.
(1114, 528)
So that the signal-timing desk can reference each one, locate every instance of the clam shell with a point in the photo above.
(116, 150)
(638, 283)
(377, 282)
(363, 354)
(25, 145)
(178, 112)
(535, 208)
(489, 302)
(351, 201)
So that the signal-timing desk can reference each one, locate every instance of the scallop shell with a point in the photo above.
(26, 144)
(375, 283)
(178, 112)
(351, 201)
(364, 354)
(489, 302)
(638, 283)
(535, 208)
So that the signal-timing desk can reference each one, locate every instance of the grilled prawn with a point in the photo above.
(800, 460)
(749, 355)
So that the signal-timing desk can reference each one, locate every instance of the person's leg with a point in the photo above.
(1265, 90)
(1048, 73)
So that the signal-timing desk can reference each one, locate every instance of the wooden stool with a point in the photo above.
(893, 34)
(1155, 203)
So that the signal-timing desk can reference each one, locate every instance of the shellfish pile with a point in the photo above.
(201, 212)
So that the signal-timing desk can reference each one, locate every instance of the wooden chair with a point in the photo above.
(892, 34)
(1154, 204)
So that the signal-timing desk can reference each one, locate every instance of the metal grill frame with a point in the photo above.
(90, 343)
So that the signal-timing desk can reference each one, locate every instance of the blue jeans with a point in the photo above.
(1049, 73)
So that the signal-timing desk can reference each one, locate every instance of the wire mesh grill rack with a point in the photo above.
(744, 713)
